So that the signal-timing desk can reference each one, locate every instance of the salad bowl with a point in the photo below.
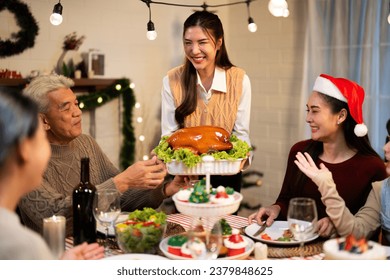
(141, 232)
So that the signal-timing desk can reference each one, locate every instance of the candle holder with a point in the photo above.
(54, 234)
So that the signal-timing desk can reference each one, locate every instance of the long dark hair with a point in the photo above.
(211, 25)
(18, 120)
(315, 148)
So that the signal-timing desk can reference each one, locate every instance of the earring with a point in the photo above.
(338, 122)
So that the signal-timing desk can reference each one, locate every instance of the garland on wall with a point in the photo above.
(96, 99)
(23, 39)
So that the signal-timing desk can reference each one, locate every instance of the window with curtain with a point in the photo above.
(351, 39)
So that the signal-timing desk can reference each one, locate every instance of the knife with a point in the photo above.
(261, 229)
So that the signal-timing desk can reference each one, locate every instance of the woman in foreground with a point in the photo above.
(24, 154)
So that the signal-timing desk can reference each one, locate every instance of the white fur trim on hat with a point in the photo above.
(325, 86)
(360, 130)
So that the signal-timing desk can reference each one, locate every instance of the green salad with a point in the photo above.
(142, 231)
(167, 154)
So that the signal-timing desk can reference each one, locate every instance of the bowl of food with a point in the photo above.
(196, 201)
(351, 248)
(141, 232)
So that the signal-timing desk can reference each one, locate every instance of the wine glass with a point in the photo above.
(302, 219)
(106, 209)
(205, 238)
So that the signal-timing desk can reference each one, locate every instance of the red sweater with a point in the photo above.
(353, 179)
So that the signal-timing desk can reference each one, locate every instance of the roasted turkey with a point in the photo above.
(201, 139)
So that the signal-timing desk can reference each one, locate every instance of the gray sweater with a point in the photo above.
(54, 195)
(25, 244)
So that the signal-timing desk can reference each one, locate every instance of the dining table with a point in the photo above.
(311, 251)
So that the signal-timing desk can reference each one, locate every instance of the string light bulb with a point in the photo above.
(278, 8)
(388, 17)
(151, 34)
(56, 16)
(252, 26)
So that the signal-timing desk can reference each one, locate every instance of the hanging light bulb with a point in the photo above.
(278, 8)
(56, 16)
(151, 34)
(252, 26)
(388, 17)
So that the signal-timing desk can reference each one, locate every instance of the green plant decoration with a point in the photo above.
(23, 39)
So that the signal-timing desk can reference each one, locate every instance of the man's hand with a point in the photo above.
(142, 174)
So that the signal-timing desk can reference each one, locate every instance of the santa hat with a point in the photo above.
(346, 91)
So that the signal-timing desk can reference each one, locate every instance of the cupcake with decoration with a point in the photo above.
(184, 194)
(199, 193)
(175, 244)
(235, 244)
(185, 252)
(197, 247)
(226, 233)
(222, 195)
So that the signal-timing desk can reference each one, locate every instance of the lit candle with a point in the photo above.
(54, 234)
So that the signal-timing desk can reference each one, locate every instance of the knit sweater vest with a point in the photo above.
(221, 110)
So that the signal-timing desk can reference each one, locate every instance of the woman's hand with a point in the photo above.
(325, 227)
(269, 213)
(306, 164)
(178, 182)
(84, 251)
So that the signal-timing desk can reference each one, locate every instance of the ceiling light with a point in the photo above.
(56, 16)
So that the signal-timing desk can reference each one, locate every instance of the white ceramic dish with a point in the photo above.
(248, 250)
(274, 231)
(332, 252)
(208, 209)
(135, 257)
(111, 231)
(217, 167)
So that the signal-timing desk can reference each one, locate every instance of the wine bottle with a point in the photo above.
(84, 223)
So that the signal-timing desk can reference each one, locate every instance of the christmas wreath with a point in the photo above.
(23, 39)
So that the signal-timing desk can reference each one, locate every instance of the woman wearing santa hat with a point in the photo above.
(374, 214)
(339, 141)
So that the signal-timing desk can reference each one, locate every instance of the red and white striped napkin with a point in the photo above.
(185, 221)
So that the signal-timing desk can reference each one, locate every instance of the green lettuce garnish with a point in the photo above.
(148, 214)
(165, 153)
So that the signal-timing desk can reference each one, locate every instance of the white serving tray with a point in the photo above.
(217, 167)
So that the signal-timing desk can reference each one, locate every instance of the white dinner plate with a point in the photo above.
(274, 231)
(111, 231)
(248, 250)
(136, 257)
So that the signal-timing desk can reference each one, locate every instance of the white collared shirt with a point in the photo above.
(241, 125)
